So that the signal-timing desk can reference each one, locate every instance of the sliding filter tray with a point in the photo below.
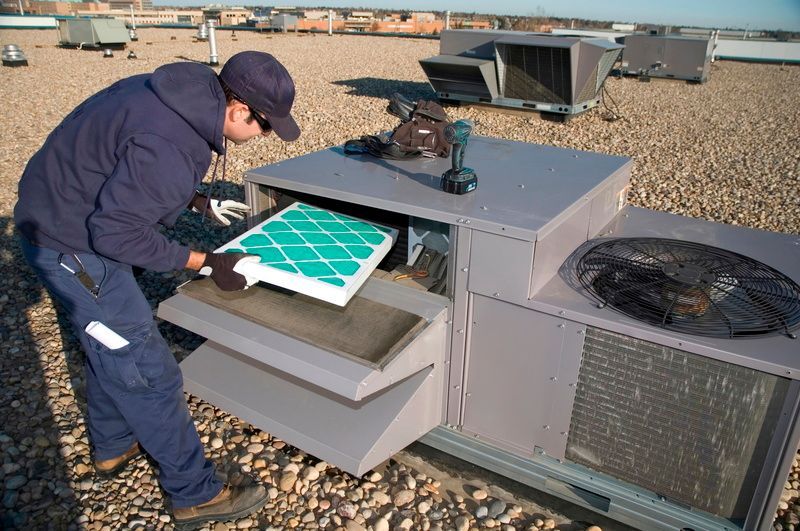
(313, 251)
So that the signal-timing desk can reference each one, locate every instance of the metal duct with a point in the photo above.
(692, 429)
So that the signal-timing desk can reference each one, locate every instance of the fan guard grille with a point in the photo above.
(691, 288)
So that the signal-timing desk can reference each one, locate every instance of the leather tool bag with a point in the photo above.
(420, 134)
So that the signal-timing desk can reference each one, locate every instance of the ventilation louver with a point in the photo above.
(691, 288)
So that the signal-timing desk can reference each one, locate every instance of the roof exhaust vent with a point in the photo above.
(132, 55)
(202, 32)
(108, 53)
(213, 58)
(13, 56)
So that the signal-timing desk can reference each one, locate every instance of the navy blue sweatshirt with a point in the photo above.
(124, 161)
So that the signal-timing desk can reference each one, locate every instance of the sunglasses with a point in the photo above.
(263, 123)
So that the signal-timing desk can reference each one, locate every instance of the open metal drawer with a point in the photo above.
(349, 385)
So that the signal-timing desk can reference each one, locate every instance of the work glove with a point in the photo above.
(221, 267)
(219, 210)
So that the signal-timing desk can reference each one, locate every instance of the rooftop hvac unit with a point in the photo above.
(92, 32)
(562, 75)
(641, 364)
(673, 57)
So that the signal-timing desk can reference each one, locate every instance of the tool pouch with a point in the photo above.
(421, 132)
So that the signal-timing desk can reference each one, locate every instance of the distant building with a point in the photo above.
(138, 5)
(228, 16)
(152, 17)
(61, 7)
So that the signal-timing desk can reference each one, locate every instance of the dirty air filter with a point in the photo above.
(692, 429)
(691, 288)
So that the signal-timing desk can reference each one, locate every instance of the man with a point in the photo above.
(90, 201)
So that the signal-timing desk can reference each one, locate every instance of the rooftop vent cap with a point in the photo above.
(13, 56)
(131, 55)
(108, 53)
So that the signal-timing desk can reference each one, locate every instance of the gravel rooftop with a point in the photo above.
(725, 151)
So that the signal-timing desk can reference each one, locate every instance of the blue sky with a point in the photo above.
(753, 14)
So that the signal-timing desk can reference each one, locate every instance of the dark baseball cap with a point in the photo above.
(263, 83)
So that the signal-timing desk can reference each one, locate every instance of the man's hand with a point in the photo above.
(220, 267)
(218, 210)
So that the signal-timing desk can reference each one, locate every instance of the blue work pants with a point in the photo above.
(134, 393)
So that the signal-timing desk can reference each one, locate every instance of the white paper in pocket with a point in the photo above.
(105, 335)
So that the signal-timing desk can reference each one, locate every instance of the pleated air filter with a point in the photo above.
(316, 252)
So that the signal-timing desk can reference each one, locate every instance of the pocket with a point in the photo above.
(135, 367)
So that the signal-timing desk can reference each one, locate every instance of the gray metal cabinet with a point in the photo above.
(520, 380)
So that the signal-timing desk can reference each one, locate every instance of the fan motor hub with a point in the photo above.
(691, 274)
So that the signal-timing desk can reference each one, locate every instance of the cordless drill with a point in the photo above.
(458, 179)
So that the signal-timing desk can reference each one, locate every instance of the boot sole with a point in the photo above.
(186, 525)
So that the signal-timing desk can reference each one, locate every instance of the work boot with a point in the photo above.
(231, 503)
(109, 468)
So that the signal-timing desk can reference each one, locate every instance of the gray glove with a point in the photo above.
(220, 267)
(218, 210)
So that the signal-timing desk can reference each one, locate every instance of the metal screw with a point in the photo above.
(581, 332)
(456, 387)
(562, 325)
(484, 208)
(464, 269)
(554, 378)
(546, 427)
(521, 185)
(460, 330)
(468, 395)
(496, 294)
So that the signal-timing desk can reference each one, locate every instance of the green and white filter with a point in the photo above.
(316, 252)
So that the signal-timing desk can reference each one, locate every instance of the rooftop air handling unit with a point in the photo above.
(93, 33)
(561, 75)
(637, 363)
(668, 56)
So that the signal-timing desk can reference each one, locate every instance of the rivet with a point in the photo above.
(554, 378)
(521, 185)
(464, 269)
(456, 387)
(546, 427)
(562, 325)
(468, 394)
(496, 294)
(460, 330)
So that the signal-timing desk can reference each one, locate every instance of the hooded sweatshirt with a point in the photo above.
(124, 161)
